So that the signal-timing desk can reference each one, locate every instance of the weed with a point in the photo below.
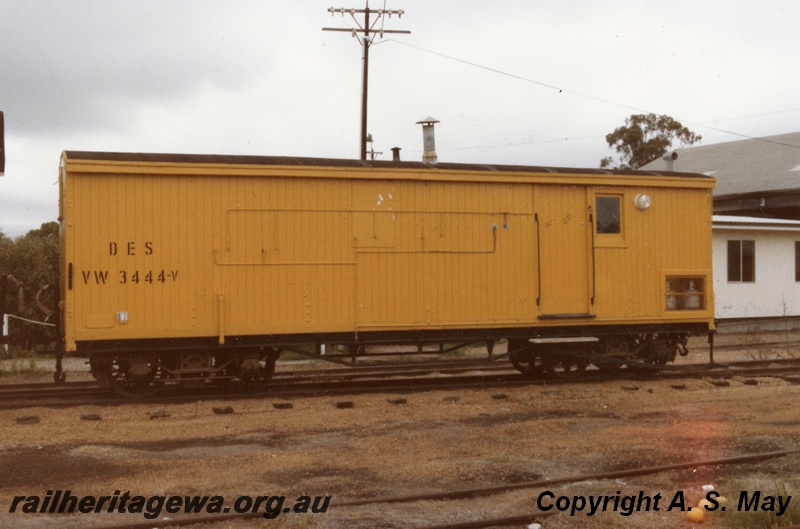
(762, 519)
(22, 367)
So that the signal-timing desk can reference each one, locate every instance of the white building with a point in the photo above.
(756, 270)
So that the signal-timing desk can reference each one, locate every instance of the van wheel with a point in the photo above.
(564, 365)
(119, 376)
(524, 358)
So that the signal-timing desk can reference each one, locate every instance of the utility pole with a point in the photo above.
(369, 32)
(2, 146)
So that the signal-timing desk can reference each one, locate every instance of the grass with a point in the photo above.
(762, 519)
(22, 363)
(754, 337)
(287, 356)
(23, 368)
(294, 522)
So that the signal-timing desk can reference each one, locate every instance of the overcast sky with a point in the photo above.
(512, 82)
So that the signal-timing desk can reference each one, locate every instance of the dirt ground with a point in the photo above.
(433, 442)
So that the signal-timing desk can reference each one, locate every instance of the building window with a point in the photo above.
(797, 261)
(608, 215)
(741, 261)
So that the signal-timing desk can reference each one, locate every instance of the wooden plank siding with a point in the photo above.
(200, 249)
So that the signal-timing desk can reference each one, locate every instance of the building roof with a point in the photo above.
(162, 158)
(771, 163)
(752, 223)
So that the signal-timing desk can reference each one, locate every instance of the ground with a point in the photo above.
(437, 441)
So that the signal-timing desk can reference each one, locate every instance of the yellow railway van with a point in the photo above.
(198, 268)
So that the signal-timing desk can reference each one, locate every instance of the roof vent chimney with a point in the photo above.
(395, 154)
(428, 140)
(670, 158)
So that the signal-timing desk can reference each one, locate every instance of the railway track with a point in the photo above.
(394, 378)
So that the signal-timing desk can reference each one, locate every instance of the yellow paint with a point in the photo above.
(221, 310)
(565, 231)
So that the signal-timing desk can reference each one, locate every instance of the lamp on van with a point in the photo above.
(642, 201)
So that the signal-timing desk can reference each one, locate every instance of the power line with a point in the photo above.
(772, 113)
(519, 144)
(594, 98)
(519, 77)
